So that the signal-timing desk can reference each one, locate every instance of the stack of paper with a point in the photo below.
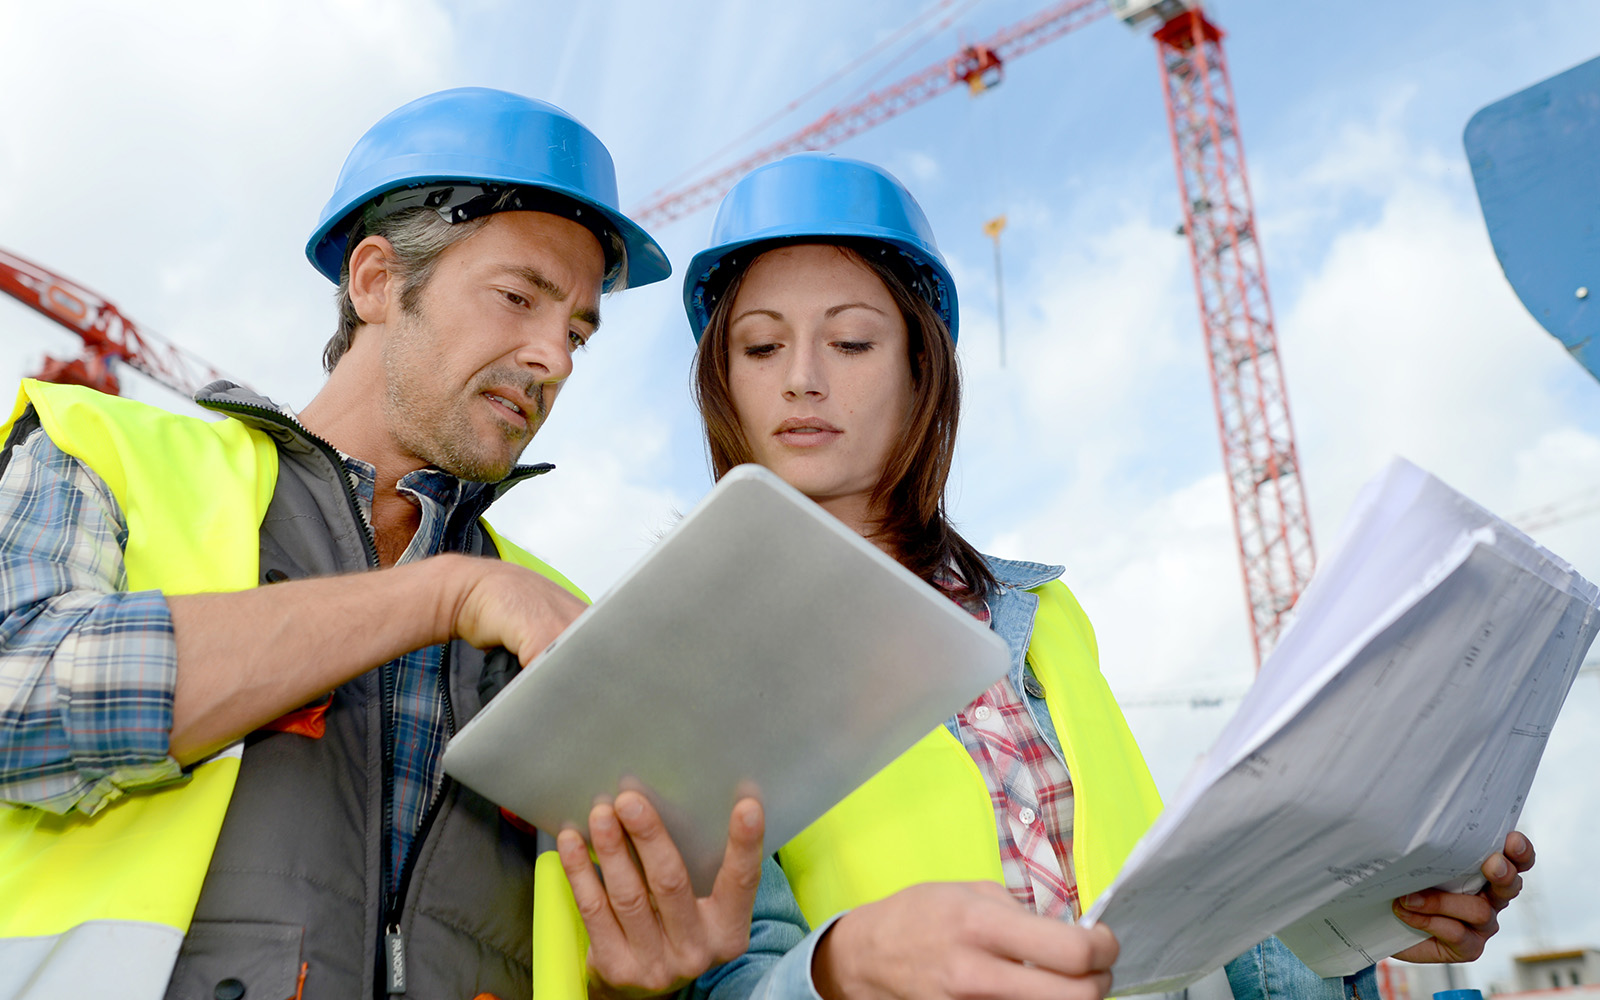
(1386, 746)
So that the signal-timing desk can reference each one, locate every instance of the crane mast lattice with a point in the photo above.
(1272, 521)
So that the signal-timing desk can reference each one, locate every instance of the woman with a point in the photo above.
(826, 321)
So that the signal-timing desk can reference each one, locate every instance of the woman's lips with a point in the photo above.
(806, 432)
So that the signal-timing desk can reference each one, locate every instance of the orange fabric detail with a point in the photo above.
(307, 721)
(485, 996)
(517, 821)
(300, 987)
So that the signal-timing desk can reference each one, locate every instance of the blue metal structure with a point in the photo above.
(1535, 158)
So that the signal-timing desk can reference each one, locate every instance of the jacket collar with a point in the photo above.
(1016, 574)
(255, 410)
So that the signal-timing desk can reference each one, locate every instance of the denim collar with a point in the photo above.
(1011, 611)
(1012, 606)
(1016, 574)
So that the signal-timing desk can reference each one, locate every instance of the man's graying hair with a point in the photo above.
(419, 237)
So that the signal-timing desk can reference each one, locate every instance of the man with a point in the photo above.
(471, 234)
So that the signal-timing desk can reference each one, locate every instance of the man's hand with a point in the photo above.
(246, 658)
(648, 934)
(502, 604)
(960, 940)
(1462, 923)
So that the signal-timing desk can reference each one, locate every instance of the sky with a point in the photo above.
(174, 155)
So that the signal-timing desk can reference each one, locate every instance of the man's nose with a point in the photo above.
(546, 352)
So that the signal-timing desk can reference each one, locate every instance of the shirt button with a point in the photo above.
(982, 713)
(1027, 816)
(229, 989)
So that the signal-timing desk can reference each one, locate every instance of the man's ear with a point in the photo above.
(374, 288)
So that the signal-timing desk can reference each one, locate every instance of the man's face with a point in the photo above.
(472, 372)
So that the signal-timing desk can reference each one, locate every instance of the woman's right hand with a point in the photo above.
(960, 940)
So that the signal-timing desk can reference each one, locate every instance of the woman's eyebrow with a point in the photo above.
(836, 310)
(757, 312)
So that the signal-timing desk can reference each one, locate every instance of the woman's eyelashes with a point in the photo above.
(771, 348)
(852, 346)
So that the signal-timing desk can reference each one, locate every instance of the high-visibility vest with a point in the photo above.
(927, 817)
(99, 906)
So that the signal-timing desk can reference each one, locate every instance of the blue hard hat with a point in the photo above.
(816, 198)
(459, 150)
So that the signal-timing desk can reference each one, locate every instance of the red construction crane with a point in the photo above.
(979, 66)
(1271, 518)
(1272, 523)
(108, 336)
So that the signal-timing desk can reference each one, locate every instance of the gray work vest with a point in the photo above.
(296, 880)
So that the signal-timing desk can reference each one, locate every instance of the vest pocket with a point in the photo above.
(230, 960)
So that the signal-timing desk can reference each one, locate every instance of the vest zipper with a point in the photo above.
(394, 902)
(392, 957)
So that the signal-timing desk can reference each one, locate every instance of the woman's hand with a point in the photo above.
(960, 940)
(1462, 923)
(648, 934)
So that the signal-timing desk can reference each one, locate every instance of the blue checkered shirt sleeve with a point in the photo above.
(86, 669)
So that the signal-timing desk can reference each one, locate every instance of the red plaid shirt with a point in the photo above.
(1031, 792)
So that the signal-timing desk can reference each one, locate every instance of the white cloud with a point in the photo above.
(595, 516)
(183, 150)
(916, 168)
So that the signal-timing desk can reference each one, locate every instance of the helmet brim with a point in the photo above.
(704, 264)
(647, 263)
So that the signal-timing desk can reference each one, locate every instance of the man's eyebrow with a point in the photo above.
(537, 279)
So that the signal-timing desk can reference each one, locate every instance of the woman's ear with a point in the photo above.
(374, 287)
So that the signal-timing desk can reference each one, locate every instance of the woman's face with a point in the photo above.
(819, 372)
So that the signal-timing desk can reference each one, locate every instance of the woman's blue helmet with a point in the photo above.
(459, 151)
(816, 198)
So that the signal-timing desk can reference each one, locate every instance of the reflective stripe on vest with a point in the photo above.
(99, 905)
(558, 933)
(927, 817)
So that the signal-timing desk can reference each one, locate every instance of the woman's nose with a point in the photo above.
(804, 376)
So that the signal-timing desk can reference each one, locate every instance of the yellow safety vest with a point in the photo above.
(98, 906)
(927, 817)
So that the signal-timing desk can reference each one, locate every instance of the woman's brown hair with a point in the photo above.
(910, 490)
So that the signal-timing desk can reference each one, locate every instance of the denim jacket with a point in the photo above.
(777, 965)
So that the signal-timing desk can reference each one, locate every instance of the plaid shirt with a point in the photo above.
(88, 669)
(1031, 793)
(416, 708)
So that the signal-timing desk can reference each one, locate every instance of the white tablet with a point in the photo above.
(761, 647)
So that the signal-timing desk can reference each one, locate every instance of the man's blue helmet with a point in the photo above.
(460, 151)
(817, 198)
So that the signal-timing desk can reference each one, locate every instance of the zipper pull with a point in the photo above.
(395, 945)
